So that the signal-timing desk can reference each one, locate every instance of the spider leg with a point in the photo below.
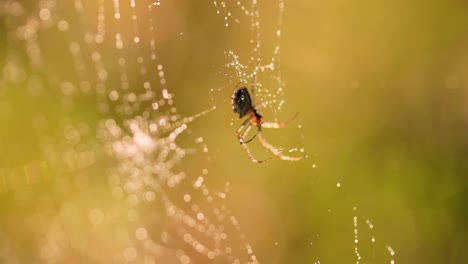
(275, 151)
(241, 127)
(244, 143)
(247, 129)
(278, 124)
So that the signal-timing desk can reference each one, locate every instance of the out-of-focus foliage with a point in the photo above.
(381, 88)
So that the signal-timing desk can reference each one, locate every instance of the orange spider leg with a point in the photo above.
(247, 129)
(244, 143)
(275, 151)
(278, 124)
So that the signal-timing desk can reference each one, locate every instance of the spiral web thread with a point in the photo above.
(258, 63)
(112, 62)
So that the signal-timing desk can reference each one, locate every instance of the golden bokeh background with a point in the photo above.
(381, 89)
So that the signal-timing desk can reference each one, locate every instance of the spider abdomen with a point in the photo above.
(241, 102)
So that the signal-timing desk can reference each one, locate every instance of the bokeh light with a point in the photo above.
(118, 141)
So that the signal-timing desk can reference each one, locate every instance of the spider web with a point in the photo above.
(103, 114)
(96, 166)
(259, 68)
(255, 61)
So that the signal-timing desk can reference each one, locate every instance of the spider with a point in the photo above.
(243, 105)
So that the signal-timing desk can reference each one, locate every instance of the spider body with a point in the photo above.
(243, 104)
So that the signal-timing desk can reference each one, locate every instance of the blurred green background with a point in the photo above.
(381, 89)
